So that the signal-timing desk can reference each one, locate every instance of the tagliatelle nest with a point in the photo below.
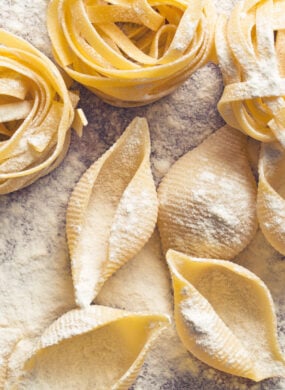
(131, 53)
(36, 113)
(251, 52)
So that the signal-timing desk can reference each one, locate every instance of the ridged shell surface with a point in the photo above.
(112, 212)
(207, 200)
(97, 347)
(225, 316)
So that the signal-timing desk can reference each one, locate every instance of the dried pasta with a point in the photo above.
(131, 53)
(207, 200)
(93, 348)
(225, 316)
(36, 113)
(250, 49)
(112, 212)
(271, 193)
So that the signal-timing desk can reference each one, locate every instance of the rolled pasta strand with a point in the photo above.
(36, 114)
(250, 50)
(131, 53)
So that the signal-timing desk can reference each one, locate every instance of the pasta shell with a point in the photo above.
(271, 193)
(112, 212)
(250, 50)
(131, 53)
(225, 316)
(207, 199)
(36, 114)
(93, 348)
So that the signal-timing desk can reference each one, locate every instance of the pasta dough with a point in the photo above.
(224, 315)
(93, 348)
(207, 200)
(271, 192)
(112, 212)
(131, 53)
(250, 48)
(36, 113)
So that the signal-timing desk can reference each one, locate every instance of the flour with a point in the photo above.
(35, 278)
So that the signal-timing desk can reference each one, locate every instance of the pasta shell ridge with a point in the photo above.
(112, 212)
(110, 343)
(225, 316)
(270, 198)
(207, 200)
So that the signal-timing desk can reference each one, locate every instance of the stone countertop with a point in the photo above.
(35, 279)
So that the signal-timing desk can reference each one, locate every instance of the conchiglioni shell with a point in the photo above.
(207, 200)
(225, 316)
(112, 212)
(93, 348)
(270, 195)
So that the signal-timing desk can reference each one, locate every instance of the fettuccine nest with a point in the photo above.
(131, 53)
(36, 113)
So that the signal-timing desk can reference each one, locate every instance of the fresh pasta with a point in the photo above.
(270, 195)
(207, 200)
(94, 348)
(36, 113)
(112, 212)
(224, 315)
(250, 49)
(131, 53)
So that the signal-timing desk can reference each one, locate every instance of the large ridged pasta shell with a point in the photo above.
(145, 278)
(112, 212)
(131, 53)
(93, 348)
(36, 114)
(207, 200)
(224, 315)
(250, 49)
(271, 193)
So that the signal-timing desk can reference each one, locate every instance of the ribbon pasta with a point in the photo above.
(131, 53)
(250, 50)
(36, 113)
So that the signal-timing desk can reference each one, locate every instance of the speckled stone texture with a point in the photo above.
(35, 280)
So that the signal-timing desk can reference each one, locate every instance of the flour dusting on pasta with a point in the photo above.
(33, 222)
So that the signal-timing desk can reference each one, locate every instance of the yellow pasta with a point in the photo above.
(271, 193)
(250, 48)
(112, 212)
(131, 53)
(93, 348)
(207, 200)
(36, 113)
(224, 315)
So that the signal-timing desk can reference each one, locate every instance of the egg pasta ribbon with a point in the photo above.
(250, 50)
(270, 195)
(97, 347)
(112, 212)
(36, 114)
(224, 315)
(131, 53)
(207, 200)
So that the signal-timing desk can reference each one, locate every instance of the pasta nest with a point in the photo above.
(251, 52)
(36, 113)
(131, 52)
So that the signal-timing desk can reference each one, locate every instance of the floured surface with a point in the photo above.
(35, 279)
